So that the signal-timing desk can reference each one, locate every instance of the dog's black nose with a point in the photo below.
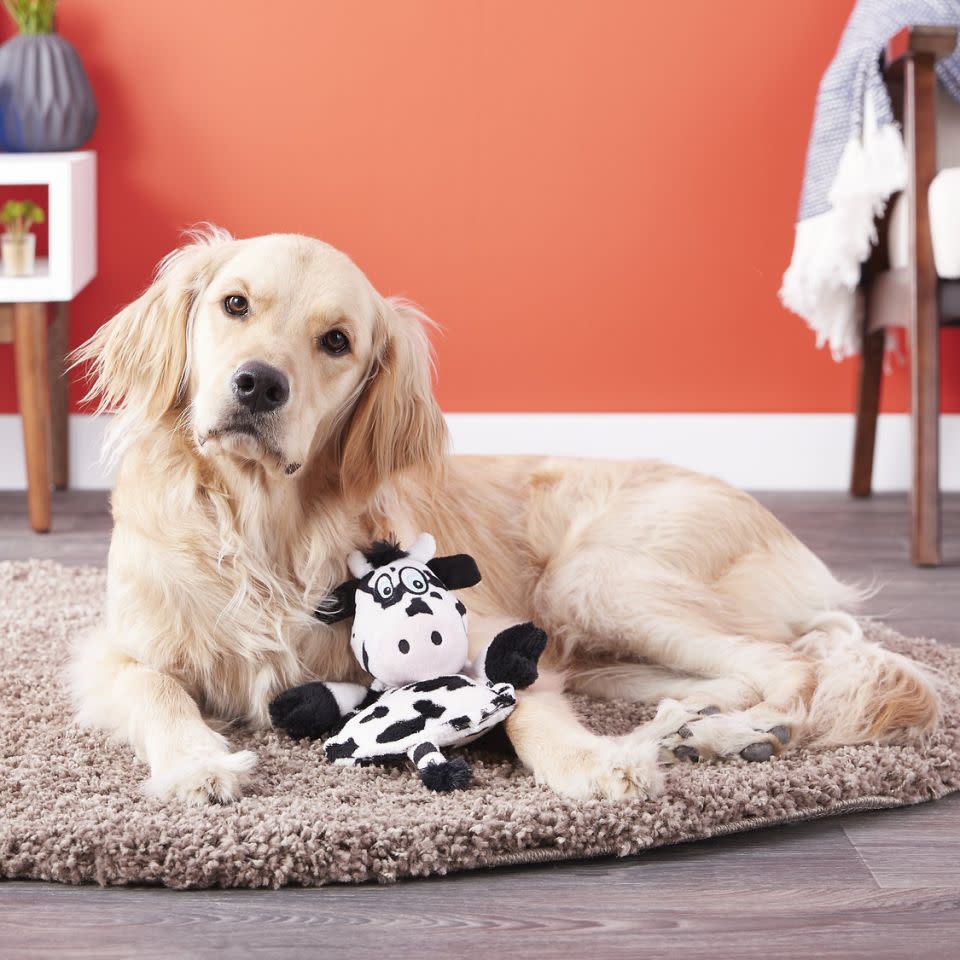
(259, 387)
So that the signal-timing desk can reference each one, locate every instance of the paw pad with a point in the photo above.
(781, 732)
(757, 752)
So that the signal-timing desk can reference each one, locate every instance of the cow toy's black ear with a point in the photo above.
(340, 605)
(456, 572)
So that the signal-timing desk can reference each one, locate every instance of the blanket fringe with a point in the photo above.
(821, 282)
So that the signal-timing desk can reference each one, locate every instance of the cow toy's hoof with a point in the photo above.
(512, 656)
(450, 775)
(305, 712)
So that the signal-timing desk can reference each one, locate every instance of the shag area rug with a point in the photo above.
(71, 809)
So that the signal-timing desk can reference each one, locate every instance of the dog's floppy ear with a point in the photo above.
(340, 605)
(457, 572)
(138, 360)
(396, 423)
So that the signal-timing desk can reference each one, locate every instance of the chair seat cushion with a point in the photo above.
(944, 205)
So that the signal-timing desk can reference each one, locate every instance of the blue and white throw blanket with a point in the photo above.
(855, 161)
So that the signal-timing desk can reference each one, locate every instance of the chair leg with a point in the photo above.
(33, 395)
(925, 425)
(868, 405)
(59, 437)
(919, 127)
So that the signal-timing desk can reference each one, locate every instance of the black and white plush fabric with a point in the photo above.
(407, 625)
(419, 719)
(410, 634)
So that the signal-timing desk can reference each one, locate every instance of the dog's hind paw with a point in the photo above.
(708, 734)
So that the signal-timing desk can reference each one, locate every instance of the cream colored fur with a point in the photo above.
(652, 582)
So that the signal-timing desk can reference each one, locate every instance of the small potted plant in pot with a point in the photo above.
(19, 245)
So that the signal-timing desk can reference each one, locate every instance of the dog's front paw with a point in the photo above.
(607, 769)
(305, 712)
(215, 776)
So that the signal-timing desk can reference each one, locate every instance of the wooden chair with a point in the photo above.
(912, 295)
(39, 356)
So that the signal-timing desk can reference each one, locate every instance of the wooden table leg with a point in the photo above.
(59, 437)
(33, 395)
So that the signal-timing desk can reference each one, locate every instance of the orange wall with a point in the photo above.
(594, 198)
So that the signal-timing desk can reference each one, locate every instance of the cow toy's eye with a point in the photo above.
(413, 580)
(384, 586)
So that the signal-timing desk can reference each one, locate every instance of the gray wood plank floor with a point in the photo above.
(884, 885)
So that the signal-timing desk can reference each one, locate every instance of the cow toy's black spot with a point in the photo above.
(427, 710)
(422, 751)
(435, 595)
(338, 751)
(460, 723)
(454, 682)
(371, 698)
(404, 646)
(375, 714)
(461, 609)
(436, 638)
(416, 606)
(380, 760)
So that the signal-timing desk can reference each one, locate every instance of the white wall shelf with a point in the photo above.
(71, 181)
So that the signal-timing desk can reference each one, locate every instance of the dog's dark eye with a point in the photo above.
(335, 342)
(236, 305)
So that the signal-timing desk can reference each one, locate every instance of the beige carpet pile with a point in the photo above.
(71, 809)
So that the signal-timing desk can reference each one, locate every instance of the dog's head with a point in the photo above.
(271, 351)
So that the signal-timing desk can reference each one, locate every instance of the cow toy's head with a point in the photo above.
(407, 625)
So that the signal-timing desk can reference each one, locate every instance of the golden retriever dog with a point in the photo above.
(274, 412)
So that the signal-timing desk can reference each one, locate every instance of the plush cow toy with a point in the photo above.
(410, 634)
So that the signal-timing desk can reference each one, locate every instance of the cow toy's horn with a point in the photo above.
(423, 548)
(358, 564)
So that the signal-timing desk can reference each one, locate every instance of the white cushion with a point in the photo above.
(943, 198)
(944, 201)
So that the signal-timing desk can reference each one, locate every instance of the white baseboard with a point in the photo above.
(86, 438)
(756, 451)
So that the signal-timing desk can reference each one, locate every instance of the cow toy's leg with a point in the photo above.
(512, 656)
(312, 710)
(437, 772)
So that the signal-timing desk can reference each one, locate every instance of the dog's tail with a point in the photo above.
(864, 691)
